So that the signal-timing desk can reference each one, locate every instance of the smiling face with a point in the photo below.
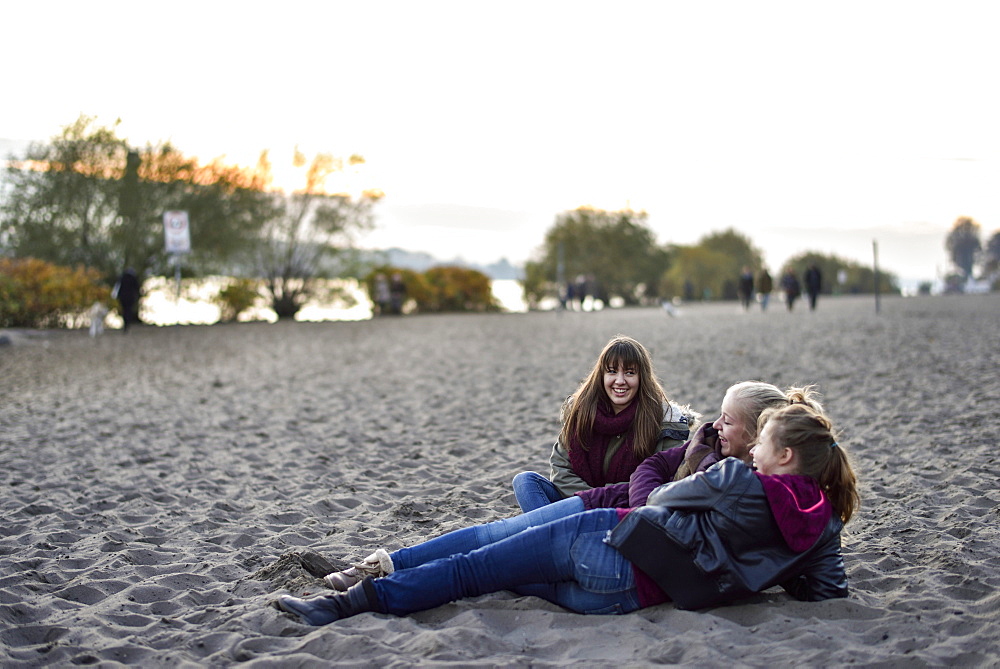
(767, 457)
(621, 383)
(733, 439)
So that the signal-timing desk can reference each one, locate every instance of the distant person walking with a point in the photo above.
(764, 287)
(127, 292)
(791, 286)
(581, 291)
(814, 283)
(397, 293)
(745, 288)
(688, 290)
(383, 297)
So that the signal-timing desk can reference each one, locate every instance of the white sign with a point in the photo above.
(177, 232)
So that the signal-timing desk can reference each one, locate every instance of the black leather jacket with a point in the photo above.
(711, 538)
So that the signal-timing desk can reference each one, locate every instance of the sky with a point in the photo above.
(806, 126)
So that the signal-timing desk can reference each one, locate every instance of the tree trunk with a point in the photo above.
(285, 307)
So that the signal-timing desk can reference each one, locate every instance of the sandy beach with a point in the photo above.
(161, 488)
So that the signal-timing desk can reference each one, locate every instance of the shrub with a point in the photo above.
(38, 294)
(417, 289)
(439, 289)
(236, 298)
(458, 289)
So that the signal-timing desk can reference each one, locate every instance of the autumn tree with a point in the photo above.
(87, 198)
(963, 244)
(309, 232)
(61, 199)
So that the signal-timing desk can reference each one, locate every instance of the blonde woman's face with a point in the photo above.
(621, 384)
(733, 440)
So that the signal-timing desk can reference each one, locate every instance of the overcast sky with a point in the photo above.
(804, 125)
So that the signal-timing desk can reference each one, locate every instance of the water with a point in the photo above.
(195, 306)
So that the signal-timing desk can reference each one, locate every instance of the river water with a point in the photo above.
(162, 305)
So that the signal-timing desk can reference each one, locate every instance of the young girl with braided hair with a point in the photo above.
(711, 538)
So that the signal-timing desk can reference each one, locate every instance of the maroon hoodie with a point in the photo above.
(800, 508)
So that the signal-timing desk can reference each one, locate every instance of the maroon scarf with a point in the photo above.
(589, 464)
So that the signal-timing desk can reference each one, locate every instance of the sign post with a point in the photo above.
(875, 267)
(177, 240)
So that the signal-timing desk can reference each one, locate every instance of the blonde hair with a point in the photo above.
(753, 397)
(810, 433)
(580, 409)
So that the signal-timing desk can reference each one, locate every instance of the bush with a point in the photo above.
(440, 289)
(417, 289)
(236, 298)
(458, 289)
(37, 294)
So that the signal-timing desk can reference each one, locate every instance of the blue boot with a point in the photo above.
(325, 609)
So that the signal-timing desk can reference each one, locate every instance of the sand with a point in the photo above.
(161, 488)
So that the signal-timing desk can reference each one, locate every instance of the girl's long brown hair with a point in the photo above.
(580, 409)
(810, 433)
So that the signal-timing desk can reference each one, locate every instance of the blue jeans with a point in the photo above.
(564, 561)
(469, 539)
(533, 491)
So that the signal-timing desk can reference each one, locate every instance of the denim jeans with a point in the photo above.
(469, 539)
(564, 561)
(533, 491)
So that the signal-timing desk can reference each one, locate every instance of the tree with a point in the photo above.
(62, 199)
(739, 252)
(736, 246)
(699, 270)
(858, 278)
(991, 253)
(712, 267)
(308, 232)
(616, 248)
(226, 204)
(963, 244)
(87, 199)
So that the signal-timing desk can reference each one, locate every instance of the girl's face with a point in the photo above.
(767, 457)
(733, 440)
(621, 383)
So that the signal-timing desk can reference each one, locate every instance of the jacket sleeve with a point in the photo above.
(824, 576)
(561, 472)
(673, 434)
(707, 440)
(653, 472)
(701, 491)
(613, 496)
